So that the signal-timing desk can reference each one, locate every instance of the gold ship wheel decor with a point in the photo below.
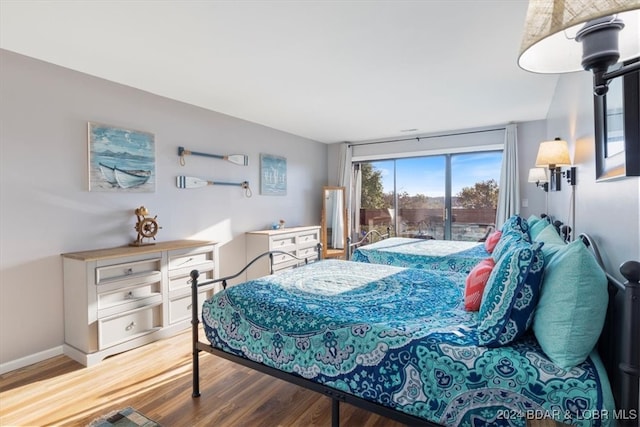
(146, 227)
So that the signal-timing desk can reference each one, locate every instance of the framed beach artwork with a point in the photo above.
(121, 160)
(273, 175)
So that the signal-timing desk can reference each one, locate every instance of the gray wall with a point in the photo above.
(46, 209)
(608, 211)
(533, 199)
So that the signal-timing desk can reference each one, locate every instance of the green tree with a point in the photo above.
(483, 194)
(417, 201)
(372, 196)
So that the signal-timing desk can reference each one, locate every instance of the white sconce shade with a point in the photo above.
(538, 175)
(549, 43)
(552, 154)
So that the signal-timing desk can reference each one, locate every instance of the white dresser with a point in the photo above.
(299, 241)
(119, 298)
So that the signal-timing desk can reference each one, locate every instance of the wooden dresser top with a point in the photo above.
(285, 230)
(121, 251)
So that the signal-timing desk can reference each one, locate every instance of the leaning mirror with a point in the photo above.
(334, 223)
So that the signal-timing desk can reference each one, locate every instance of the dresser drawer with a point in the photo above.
(116, 329)
(284, 266)
(283, 243)
(279, 258)
(186, 272)
(310, 253)
(308, 239)
(124, 299)
(127, 270)
(184, 281)
(184, 260)
(180, 308)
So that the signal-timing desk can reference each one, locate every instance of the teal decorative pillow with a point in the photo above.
(507, 240)
(532, 220)
(511, 295)
(552, 242)
(572, 307)
(536, 228)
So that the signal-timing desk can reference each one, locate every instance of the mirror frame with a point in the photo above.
(326, 251)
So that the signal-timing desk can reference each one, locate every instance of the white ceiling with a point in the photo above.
(325, 70)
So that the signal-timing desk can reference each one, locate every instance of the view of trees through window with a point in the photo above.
(452, 196)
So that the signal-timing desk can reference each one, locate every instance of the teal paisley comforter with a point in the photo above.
(399, 337)
(445, 255)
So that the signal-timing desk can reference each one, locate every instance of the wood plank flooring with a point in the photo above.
(156, 380)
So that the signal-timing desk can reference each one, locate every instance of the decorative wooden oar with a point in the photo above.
(238, 159)
(193, 182)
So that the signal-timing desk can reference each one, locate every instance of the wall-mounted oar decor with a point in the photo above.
(238, 159)
(193, 182)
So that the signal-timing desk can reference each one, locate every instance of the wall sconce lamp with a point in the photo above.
(570, 175)
(553, 154)
(563, 36)
(539, 177)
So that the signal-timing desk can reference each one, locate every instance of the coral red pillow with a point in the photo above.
(492, 241)
(475, 284)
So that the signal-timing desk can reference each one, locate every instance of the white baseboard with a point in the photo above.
(30, 360)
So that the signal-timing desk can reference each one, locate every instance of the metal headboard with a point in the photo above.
(619, 343)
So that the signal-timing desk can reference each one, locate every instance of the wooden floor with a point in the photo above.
(156, 380)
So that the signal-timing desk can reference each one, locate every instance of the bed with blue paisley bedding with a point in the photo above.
(445, 255)
(401, 338)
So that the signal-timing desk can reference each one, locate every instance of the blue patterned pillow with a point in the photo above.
(510, 297)
(517, 223)
(508, 240)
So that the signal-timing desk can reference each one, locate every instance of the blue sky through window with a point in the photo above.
(426, 175)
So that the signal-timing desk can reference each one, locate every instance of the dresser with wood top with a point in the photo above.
(299, 241)
(119, 298)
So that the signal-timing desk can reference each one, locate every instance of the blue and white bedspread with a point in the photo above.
(399, 337)
(445, 255)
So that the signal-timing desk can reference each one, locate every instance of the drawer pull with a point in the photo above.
(128, 271)
(129, 295)
(189, 306)
(130, 326)
(186, 261)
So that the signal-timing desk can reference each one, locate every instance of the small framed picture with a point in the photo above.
(121, 160)
(273, 175)
(617, 128)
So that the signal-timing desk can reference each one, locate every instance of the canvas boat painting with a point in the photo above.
(124, 178)
(121, 159)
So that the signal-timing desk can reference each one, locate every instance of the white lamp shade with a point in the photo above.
(537, 175)
(549, 45)
(553, 153)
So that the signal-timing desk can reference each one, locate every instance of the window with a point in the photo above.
(450, 196)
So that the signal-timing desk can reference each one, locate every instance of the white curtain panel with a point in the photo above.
(344, 177)
(509, 192)
(355, 203)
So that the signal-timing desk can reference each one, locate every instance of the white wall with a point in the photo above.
(46, 209)
(608, 211)
(529, 136)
